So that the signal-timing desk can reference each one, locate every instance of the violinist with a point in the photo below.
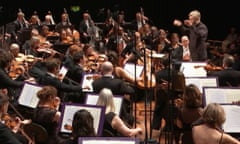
(227, 76)
(13, 86)
(76, 71)
(47, 113)
(8, 135)
(51, 77)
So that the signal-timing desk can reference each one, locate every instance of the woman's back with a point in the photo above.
(203, 134)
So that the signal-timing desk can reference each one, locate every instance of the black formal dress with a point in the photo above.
(108, 124)
(44, 116)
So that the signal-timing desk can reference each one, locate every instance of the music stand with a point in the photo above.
(61, 48)
(36, 132)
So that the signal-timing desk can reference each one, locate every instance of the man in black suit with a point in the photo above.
(117, 86)
(75, 72)
(52, 78)
(228, 76)
(6, 81)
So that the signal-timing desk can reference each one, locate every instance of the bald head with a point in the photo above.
(106, 68)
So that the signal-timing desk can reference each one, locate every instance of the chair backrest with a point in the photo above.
(36, 132)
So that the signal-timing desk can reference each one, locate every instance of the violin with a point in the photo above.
(209, 67)
(15, 124)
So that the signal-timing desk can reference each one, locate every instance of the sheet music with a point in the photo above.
(69, 111)
(193, 69)
(92, 100)
(232, 123)
(87, 82)
(130, 68)
(28, 96)
(202, 82)
(63, 71)
(221, 95)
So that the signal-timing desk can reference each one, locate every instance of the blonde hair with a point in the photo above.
(195, 14)
(214, 115)
(106, 99)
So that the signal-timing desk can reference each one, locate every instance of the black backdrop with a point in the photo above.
(218, 16)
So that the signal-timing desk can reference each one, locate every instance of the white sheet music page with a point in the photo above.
(63, 71)
(202, 82)
(221, 95)
(232, 123)
(93, 98)
(193, 69)
(28, 96)
(130, 68)
(87, 82)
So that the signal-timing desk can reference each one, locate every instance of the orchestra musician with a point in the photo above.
(208, 129)
(82, 126)
(51, 77)
(227, 76)
(117, 86)
(64, 23)
(6, 134)
(87, 28)
(17, 26)
(7, 82)
(47, 113)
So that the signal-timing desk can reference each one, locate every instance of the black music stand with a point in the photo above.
(36, 132)
(61, 48)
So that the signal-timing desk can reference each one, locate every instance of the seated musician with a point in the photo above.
(207, 130)
(117, 86)
(82, 126)
(64, 23)
(13, 86)
(52, 78)
(47, 113)
(113, 122)
(8, 133)
(227, 76)
(76, 72)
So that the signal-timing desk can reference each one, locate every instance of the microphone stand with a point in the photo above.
(169, 135)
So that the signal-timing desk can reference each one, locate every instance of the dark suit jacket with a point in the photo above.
(75, 73)
(60, 86)
(7, 82)
(227, 77)
(117, 86)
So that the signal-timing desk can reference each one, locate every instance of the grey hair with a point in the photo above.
(106, 99)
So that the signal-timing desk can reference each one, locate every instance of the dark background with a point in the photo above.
(218, 16)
